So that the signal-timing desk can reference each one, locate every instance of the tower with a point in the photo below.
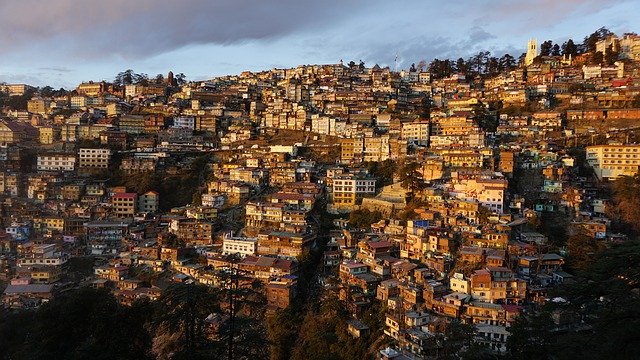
(532, 51)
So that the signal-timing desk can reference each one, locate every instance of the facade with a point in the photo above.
(416, 132)
(94, 158)
(239, 245)
(56, 162)
(612, 161)
(349, 189)
(124, 204)
(149, 202)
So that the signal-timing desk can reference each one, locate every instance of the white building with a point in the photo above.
(348, 189)
(185, 122)
(613, 161)
(239, 245)
(56, 162)
(94, 158)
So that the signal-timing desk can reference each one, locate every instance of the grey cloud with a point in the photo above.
(56, 69)
(142, 28)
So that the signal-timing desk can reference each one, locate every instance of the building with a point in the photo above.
(532, 52)
(48, 135)
(149, 202)
(132, 124)
(349, 189)
(91, 89)
(94, 158)
(239, 245)
(612, 161)
(56, 162)
(286, 244)
(280, 292)
(124, 204)
(416, 132)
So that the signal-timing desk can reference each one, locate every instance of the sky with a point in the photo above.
(64, 42)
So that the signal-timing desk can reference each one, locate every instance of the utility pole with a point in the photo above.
(233, 286)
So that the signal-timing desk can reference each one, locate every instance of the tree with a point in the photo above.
(86, 323)
(411, 178)
(589, 43)
(545, 48)
(159, 79)
(531, 337)
(507, 62)
(626, 202)
(422, 65)
(598, 58)
(362, 219)
(610, 55)
(412, 68)
(461, 66)
(141, 79)
(569, 48)
(124, 78)
(555, 50)
(179, 321)
(181, 79)
(603, 300)
(46, 91)
(583, 250)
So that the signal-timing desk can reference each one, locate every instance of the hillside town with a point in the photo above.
(449, 197)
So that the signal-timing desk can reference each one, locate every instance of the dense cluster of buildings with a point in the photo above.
(286, 147)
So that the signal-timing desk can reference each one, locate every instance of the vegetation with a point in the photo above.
(362, 219)
(598, 318)
(626, 202)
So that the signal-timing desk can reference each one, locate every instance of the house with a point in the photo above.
(148, 202)
(357, 328)
(124, 204)
(281, 292)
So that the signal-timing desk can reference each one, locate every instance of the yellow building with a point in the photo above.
(48, 135)
(349, 189)
(613, 161)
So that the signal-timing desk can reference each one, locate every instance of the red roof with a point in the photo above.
(125, 195)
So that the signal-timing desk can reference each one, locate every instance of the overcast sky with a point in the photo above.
(63, 42)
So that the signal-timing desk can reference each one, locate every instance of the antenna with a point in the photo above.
(396, 62)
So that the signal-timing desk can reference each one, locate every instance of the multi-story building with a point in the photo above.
(124, 204)
(349, 189)
(612, 161)
(149, 202)
(497, 284)
(242, 246)
(186, 122)
(132, 124)
(94, 158)
(132, 165)
(48, 134)
(38, 106)
(416, 132)
(91, 89)
(56, 162)
(281, 243)
(193, 232)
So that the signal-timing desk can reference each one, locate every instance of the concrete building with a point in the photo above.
(124, 204)
(56, 162)
(94, 158)
(612, 161)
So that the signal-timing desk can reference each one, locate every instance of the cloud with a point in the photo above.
(56, 69)
(142, 28)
